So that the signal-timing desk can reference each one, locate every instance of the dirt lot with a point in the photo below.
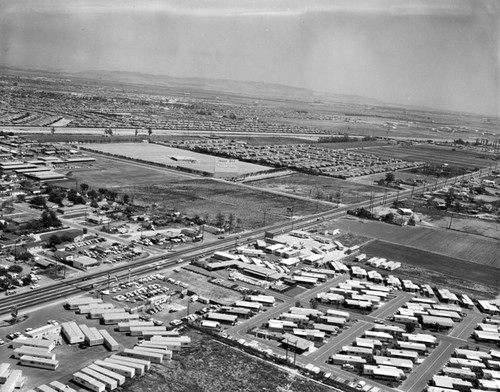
(202, 287)
(206, 198)
(210, 366)
(443, 269)
(448, 243)
(318, 187)
(482, 225)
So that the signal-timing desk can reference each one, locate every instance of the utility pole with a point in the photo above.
(451, 220)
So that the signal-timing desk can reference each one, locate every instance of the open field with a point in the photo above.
(210, 366)
(165, 155)
(111, 173)
(437, 155)
(472, 224)
(448, 243)
(448, 266)
(320, 187)
(207, 197)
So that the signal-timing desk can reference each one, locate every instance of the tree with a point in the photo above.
(49, 219)
(53, 240)
(230, 222)
(15, 268)
(92, 194)
(84, 187)
(220, 219)
(410, 327)
(126, 199)
(111, 195)
(102, 191)
(314, 303)
(21, 198)
(150, 131)
(38, 201)
(390, 177)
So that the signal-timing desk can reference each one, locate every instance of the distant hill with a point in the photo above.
(244, 88)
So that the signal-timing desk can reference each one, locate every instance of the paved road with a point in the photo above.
(389, 308)
(418, 379)
(343, 339)
(466, 326)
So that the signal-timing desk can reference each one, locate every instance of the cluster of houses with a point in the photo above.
(385, 352)
(468, 371)
(302, 157)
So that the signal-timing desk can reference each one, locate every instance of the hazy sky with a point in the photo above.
(437, 53)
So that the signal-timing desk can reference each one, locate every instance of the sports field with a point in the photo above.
(436, 155)
(112, 173)
(320, 187)
(172, 157)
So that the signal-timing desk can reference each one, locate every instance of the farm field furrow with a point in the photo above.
(445, 242)
(449, 266)
(436, 155)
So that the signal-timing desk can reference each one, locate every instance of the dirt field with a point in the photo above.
(448, 243)
(318, 187)
(206, 197)
(473, 224)
(110, 173)
(210, 366)
(166, 155)
(447, 267)
(202, 287)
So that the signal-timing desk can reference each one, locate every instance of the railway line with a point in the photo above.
(73, 286)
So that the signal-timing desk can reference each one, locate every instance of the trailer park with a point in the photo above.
(303, 298)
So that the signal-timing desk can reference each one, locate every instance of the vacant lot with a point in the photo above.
(172, 156)
(210, 366)
(448, 267)
(201, 286)
(319, 187)
(436, 155)
(444, 242)
(207, 198)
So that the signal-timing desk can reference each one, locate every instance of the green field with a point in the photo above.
(320, 187)
(210, 366)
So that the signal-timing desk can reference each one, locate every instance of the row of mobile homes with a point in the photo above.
(72, 332)
(109, 341)
(115, 318)
(92, 335)
(38, 362)
(75, 303)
